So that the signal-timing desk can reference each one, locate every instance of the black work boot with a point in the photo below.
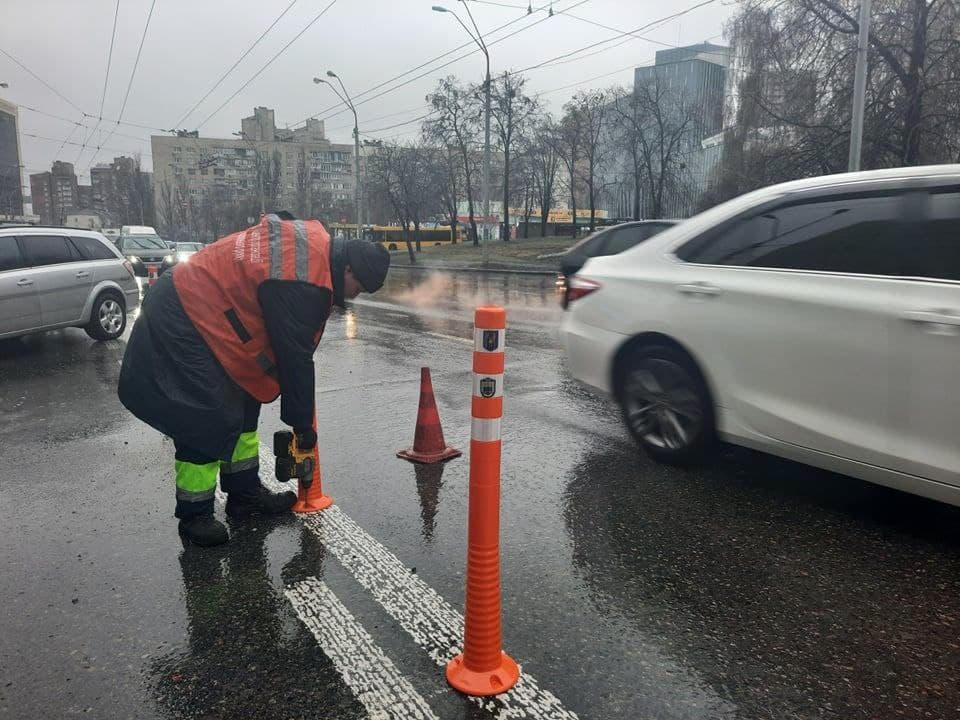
(258, 499)
(204, 530)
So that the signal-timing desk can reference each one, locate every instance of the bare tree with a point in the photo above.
(448, 180)
(664, 134)
(513, 113)
(794, 69)
(591, 106)
(387, 171)
(456, 124)
(568, 144)
(544, 156)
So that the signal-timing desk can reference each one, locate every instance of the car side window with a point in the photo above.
(856, 234)
(48, 250)
(625, 238)
(10, 257)
(92, 249)
(593, 245)
(933, 240)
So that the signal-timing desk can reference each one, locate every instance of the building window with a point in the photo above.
(191, 171)
(219, 172)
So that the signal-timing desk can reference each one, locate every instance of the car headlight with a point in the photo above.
(168, 259)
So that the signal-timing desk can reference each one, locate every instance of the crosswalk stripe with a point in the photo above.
(371, 675)
(421, 611)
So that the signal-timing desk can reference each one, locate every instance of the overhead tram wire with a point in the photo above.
(328, 112)
(268, 63)
(566, 56)
(126, 96)
(223, 77)
(106, 79)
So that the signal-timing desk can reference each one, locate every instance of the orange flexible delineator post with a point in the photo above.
(483, 668)
(311, 499)
(428, 443)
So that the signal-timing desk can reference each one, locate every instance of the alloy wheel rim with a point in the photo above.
(662, 404)
(111, 316)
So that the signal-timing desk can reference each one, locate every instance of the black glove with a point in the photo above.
(306, 438)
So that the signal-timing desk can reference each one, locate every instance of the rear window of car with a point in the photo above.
(143, 242)
(92, 249)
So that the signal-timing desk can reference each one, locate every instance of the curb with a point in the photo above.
(476, 270)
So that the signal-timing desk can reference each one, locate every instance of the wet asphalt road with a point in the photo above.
(751, 588)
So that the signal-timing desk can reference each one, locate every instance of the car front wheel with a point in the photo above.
(666, 404)
(108, 318)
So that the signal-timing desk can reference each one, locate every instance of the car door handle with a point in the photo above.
(699, 288)
(932, 317)
(936, 321)
(25, 282)
(83, 274)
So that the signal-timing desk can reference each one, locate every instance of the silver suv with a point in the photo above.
(60, 277)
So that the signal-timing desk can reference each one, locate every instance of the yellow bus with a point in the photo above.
(392, 238)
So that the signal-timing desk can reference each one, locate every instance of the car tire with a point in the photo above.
(666, 404)
(108, 317)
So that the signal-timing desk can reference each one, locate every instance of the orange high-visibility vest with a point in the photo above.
(218, 290)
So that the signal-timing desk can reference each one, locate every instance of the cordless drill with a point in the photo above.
(292, 462)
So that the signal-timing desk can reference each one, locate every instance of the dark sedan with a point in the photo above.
(608, 241)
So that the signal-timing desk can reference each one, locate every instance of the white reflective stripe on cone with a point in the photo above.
(485, 430)
(478, 343)
(479, 385)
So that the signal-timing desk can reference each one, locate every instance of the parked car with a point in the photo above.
(608, 241)
(818, 320)
(60, 277)
(145, 250)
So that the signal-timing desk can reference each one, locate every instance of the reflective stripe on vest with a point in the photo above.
(218, 289)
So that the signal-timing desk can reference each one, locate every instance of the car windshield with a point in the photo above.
(143, 242)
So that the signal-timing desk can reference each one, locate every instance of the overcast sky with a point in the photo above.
(190, 44)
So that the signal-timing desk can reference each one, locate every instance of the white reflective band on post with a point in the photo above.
(489, 346)
(485, 430)
(481, 385)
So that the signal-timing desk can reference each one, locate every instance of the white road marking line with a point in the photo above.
(374, 679)
(419, 609)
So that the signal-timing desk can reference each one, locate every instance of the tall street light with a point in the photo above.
(345, 99)
(859, 88)
(478, 39)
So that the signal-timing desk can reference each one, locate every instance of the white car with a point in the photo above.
(818, 320)
(61, 277)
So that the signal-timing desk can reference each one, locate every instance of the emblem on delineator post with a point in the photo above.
(488, 387)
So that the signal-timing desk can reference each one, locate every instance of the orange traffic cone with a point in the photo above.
(311, 499)
(428, 443)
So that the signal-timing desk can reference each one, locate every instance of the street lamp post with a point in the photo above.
(357, 190)
(478, 39)
(256, 151)
(859, 88)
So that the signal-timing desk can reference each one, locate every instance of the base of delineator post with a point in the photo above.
(492, 682)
